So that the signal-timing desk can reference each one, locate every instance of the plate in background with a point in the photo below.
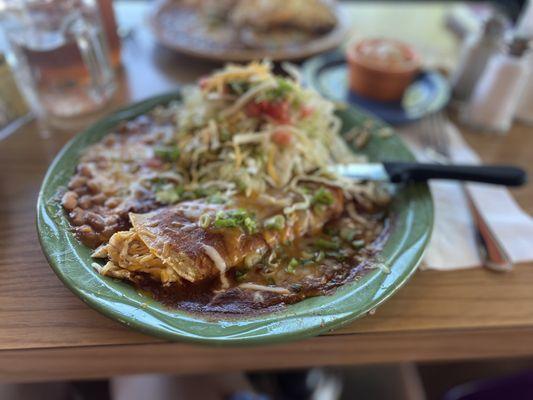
(429, 92)
(169, 17)
(412, 219)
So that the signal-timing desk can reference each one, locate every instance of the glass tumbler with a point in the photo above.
(58, 52)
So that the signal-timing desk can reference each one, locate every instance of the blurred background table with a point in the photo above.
(47, 333)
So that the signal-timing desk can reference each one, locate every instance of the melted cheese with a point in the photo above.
(262, 288)
(219, 262)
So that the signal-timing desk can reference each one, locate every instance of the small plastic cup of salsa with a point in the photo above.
(381, 69)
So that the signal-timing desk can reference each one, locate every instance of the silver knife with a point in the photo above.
(400, 172)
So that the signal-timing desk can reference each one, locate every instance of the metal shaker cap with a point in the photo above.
(495, 26)
(518, 46)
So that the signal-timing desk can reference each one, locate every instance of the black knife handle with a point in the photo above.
(420, 172)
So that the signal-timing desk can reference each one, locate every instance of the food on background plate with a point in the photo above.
(266, 24)
(314, 16)
(223, 202)
(381, 69)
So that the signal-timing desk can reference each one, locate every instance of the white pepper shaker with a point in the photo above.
(495, 98)
(524, 26)
(524, 112)
(476, 51)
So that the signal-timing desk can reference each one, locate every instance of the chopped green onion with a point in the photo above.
(319, 208)
(204, 221)
(169, 194)
(276, 222)
(167, 153)
(349, 234)
(284, 87)
(250, 225)
(188, 196)
(224, 135)
(322, 196)
(326, 244)
(226, 223)
(224, 220)
(320, 256)
(241, 185)
(291, 267)
(239, 87)
(284, 84)
(240, 275)
(239, 213)
(216, 198)
(335, 254)
(329, 231)
(167, 197)
(306, 254)
(357, 244)
(200, 192)
(204, 192)
(236, 219)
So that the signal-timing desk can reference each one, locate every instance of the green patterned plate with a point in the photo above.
(412, 212)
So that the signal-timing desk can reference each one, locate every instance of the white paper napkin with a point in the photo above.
(453, 244)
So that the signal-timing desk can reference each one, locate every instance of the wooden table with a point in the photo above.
(48, 333)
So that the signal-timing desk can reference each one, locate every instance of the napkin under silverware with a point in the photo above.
(453, 243)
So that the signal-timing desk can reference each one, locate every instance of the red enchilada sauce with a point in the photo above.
(308, 267)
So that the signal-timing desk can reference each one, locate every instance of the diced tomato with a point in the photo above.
(202, 82)
(281, 137)
(154, 163)
(306, 111)
(279, 111)
(254, 109)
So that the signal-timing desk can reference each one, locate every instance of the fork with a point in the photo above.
(436, 142)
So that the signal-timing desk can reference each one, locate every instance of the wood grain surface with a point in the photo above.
(48, 333)
(367, 348)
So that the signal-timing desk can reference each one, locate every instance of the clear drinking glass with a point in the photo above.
(58, 52)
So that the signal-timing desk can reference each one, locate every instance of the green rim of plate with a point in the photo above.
(411, 227)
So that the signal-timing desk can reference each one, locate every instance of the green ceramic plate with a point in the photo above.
(412, 221)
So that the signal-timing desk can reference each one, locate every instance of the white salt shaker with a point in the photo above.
(524, 26)
(476, 51)
(524, 112)
(495, 97)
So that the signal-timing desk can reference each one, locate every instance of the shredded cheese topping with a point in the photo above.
(241, 133)
(263, 288)
(219, 262)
